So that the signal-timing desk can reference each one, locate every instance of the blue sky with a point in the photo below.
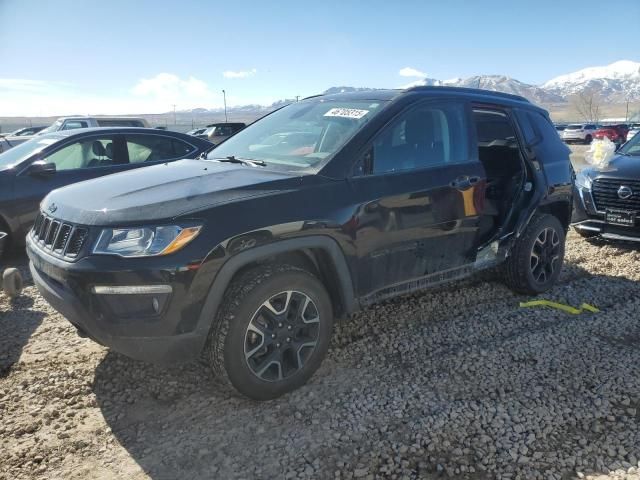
(117, 56)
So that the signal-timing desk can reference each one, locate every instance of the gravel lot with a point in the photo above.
(459, 382)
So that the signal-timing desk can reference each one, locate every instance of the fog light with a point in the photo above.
(131, 289)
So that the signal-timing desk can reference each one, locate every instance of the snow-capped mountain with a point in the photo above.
(502, 83)
(497, 83)
(615, 82)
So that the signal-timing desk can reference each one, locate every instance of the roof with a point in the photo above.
(390, 94)
(101, 117)
(77, 131)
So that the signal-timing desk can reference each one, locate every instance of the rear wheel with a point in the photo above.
(272, 332)
(537, 257)
(588, 139)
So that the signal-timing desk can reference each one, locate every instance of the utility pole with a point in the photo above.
(224, 97)
(626, 117)
(297, 98)
(174, 114)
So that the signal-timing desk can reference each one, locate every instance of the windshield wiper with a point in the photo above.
(243, 161)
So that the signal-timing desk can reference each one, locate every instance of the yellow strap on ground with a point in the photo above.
(561, 306)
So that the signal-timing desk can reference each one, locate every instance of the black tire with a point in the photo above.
(244, 317)
(525, 276)
(588, 139)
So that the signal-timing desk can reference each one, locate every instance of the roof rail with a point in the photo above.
(475, 91)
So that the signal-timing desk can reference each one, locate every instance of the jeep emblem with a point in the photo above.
(52, 208)
(624, 192)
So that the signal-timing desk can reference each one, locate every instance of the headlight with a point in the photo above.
(144, 241)
(583, 181)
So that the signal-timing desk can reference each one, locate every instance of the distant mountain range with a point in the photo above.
(615, 83)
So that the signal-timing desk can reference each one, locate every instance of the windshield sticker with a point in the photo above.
(346, 113)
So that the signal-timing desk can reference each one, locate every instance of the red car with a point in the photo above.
(615, 133)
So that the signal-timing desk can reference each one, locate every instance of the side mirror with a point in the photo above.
(40, 167)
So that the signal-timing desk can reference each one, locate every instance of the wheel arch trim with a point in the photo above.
(232, 266)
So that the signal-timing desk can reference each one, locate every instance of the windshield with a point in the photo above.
(302, 135)
(632, 147)
(574, 127)
(21, 152)
(54, 127)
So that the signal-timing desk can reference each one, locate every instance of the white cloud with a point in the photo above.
(27, 97)
(411, 72)
(239, 74)
(168, 87)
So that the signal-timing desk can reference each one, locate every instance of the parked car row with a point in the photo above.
(586, 132)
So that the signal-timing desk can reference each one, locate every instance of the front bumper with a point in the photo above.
(588, 219)
(165, 334)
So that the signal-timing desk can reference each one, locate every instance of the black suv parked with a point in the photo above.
(608, 199)
(313, 212)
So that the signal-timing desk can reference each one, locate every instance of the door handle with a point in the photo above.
(465, 182)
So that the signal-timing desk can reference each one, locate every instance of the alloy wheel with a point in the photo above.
(282, 335)
(545, 255)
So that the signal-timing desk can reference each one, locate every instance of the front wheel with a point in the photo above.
(272, 331)
(537, 257)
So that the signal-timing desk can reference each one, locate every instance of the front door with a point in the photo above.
(419, 196)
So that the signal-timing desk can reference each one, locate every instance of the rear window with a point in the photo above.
(120, 123)
(152, 148)
(574, 127)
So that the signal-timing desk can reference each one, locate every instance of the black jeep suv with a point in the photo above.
(323, 207)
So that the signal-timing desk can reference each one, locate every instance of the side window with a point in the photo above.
(73, 124)
(223, 131)
(543, 126)
(427, 136)
(150, 148)
(90, 153)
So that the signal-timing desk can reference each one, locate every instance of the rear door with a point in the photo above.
(419, 188)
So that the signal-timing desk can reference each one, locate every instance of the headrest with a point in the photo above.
(108, 150)
(98, 148)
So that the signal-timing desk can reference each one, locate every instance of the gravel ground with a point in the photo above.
(459, 382)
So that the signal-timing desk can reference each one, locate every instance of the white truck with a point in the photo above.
(70, 123)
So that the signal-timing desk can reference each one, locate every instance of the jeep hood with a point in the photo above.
(162, 192)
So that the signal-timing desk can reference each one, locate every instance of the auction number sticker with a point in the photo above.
(346, 113)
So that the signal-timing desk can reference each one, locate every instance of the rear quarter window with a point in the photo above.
(542, 127)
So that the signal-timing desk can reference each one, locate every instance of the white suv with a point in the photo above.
(579, 132)
(71, 123)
